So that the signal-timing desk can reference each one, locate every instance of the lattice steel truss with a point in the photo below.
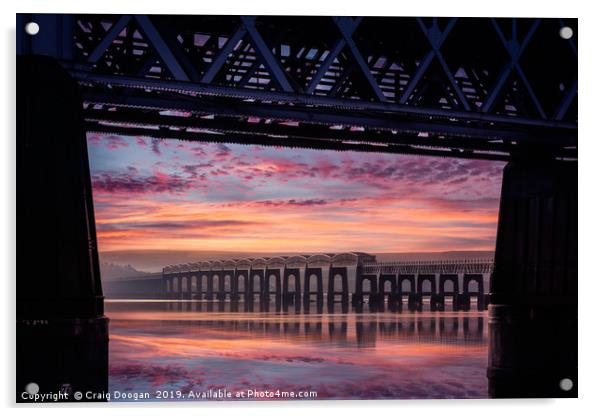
(464, 87)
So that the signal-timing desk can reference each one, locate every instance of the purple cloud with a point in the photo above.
(111, 182)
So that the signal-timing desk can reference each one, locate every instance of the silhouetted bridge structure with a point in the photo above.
(338, 277)
(480, 88)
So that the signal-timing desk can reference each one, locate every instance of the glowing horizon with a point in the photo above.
(173, 195)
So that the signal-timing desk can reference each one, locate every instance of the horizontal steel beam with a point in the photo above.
(316, 115)
(292, 142)
(231, 125)
(554, 127)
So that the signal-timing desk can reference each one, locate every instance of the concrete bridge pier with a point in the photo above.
(357, 299)
(394, 302)
(414, 301)
(533, 311)
(376, 299)
(463, 302)
(61, 330)
(437, 302)
(481, 305)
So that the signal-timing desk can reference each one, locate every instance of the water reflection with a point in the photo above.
(338, 352)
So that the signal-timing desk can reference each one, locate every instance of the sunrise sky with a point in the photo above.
(174, 195)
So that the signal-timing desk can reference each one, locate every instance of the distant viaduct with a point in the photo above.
(311, 278)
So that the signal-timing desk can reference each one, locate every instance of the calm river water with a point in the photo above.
(191, 350)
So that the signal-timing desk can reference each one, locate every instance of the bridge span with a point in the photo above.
(337, 277)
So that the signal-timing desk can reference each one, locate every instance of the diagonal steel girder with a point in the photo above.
(436, 38)
(515, 50)
(156, 42)
(332, 55)
(264, 54)
(347, 26)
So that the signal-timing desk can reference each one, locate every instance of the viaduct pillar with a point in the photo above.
(533, 311)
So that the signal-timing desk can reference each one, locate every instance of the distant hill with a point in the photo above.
(111, 271)
(129, 262)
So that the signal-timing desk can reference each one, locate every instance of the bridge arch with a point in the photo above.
(228, 281)
(291, 276)
(476, 278)
(273, 282)
(406, 284)
(426, 281)
(389, 280)
(175, 284)
(203, 282)
(372, 284)
(338, 282)
(193, 283)
(445, 280)
(313, 274)
(256, 282)
(242, 282)
(185, 282)
(215, 282)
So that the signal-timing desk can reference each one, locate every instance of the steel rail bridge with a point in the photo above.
(461, 87)
(479, 88)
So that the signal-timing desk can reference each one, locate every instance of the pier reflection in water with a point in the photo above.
(340, 354)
